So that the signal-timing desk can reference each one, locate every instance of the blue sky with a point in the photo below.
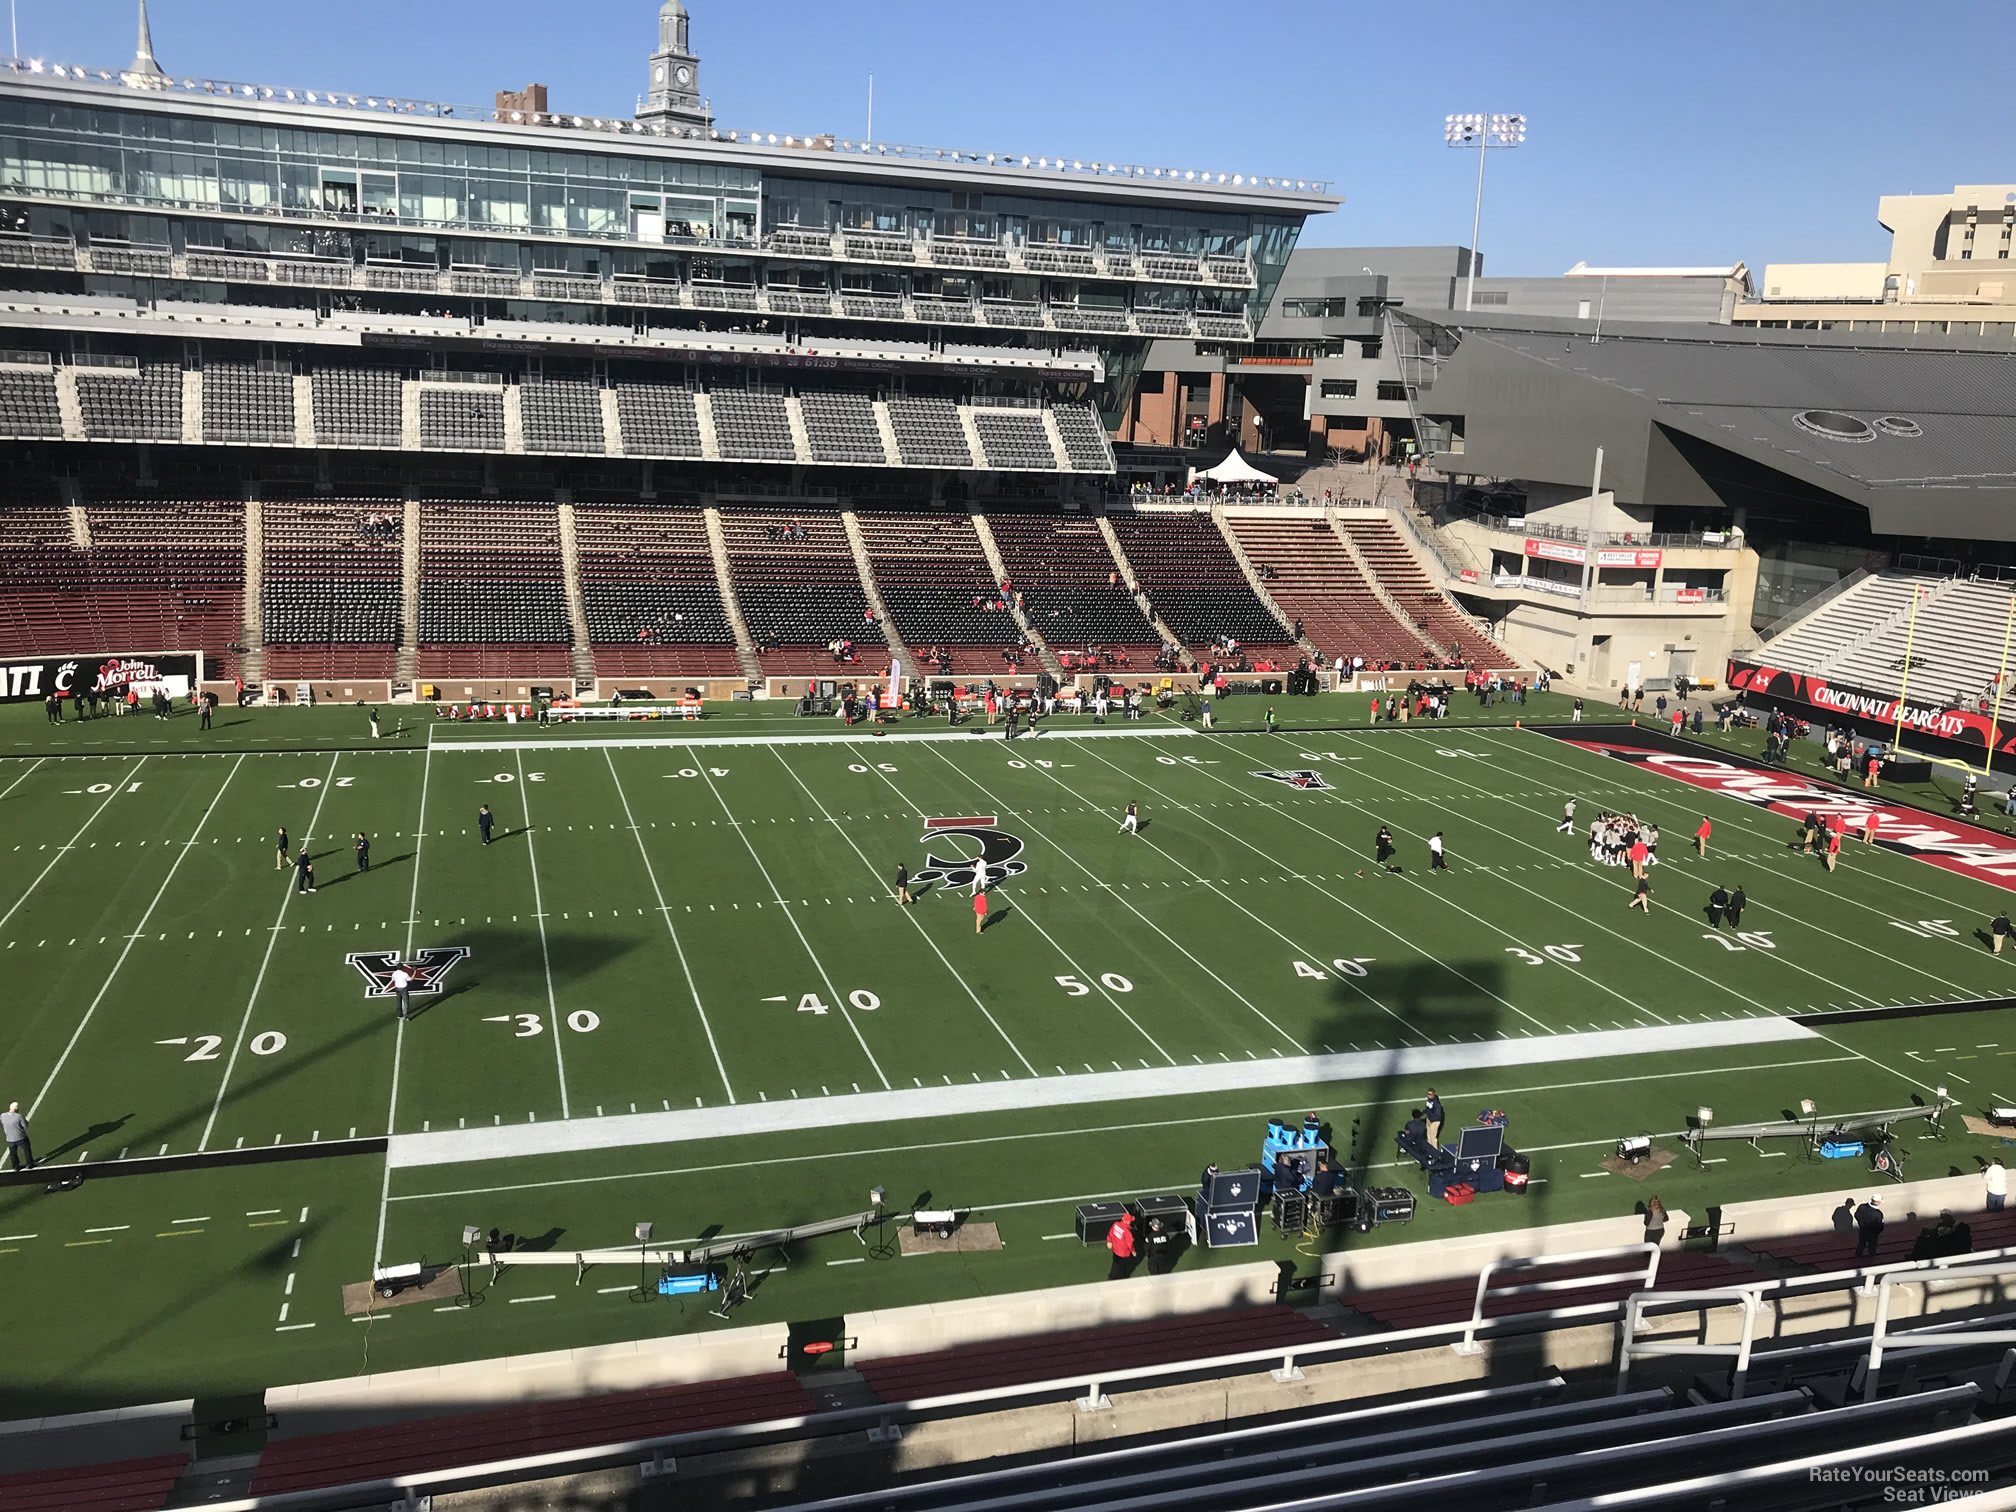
(1662, 132)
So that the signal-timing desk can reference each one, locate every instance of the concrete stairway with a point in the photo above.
(68, 405)
(514, 419)
(409, 416)
(612, 424)
(710, 441)
(582, 651)
(745, 643)
(801, 439)
(192, 408)
(406, 665)
(304, 414)
(1127, 574)
(999, 566)
(1379, 590)
(252, 619)
(871, 589)
(1257, 583)
(892, 451)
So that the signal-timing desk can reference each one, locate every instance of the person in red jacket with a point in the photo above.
(1120, 1240)
(1701, 836)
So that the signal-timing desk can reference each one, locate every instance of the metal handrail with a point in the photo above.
(1631, 1348)
(1646, 1274)
(1880, 1336)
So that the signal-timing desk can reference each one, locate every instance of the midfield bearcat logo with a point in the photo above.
(998, 849)
(429, 968)
(1315, 782)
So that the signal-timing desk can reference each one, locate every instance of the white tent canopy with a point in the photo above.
(1234, 469)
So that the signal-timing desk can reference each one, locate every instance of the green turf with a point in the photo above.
(659, 926)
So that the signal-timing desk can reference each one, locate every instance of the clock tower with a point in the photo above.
(674, 97)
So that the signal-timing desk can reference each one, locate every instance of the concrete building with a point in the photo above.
(1951, 271)
(1319, 376)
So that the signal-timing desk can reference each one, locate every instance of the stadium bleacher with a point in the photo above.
(1858, 637)
(243, 402)
(1400, 572)
(752, 426)
(1196, 584)
(356, 406)
(799, 591)
(1071, 586)
(141, 403)
(1316, 581)
(658, 420)
(940, 591)
(330, 589)
(842, 428)
(461, 417)
(651, 595)
(928, 433)
(561, 415)
(493, 598)
(1015, 439)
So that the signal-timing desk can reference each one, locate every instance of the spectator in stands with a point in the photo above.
(1868, 1228)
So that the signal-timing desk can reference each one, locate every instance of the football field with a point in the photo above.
(676, 986)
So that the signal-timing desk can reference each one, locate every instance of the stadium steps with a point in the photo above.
(703, 412)
(1128, 575)
(583, 648)
(745, 643)
(863, 563)
(304, 414)
(252, 631)
(970, 428)
(130, 1486)
(1085, 1352)
(1438, 1302)
(409, 416)
(1257, 583)
(999, 567)
(68, 405)
(192, 408)
(1400, 569)
(890, 447)
(406, 665)
(80, 526)
(612, 422)
(1379, 590)
(443, 1443)
(801, 445)
(514, 419)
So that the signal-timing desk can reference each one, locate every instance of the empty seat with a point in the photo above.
(357, 406)
(929, 434)
(658, 420)
(1196, 584)
(940, 591)
(457, 417)
(1070, 586)
(651, 595)
(798, 586)
(561, 415)
(842, 428)
(242, 402)
(131, 404)
(752, 427)
(1015, 439)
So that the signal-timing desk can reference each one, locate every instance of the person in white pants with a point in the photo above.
(1099, 705)
(979, 878)
(1130, 824)
(1567, 824)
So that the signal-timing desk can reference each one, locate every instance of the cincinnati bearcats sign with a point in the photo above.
(429, 968)
(997, 848)
(34, 678)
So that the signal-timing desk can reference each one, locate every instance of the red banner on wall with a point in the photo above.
(1831, 700)
(1606, 556)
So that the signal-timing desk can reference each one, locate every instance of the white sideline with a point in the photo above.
(965, 736)
(623, 1130)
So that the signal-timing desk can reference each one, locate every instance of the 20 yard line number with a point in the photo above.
(316, 782)
(269, 1042)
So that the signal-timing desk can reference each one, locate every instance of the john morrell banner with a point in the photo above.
(33, 679)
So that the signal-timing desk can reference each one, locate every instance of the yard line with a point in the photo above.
(922, 932)
(30, 772)
(1063, 954)
(399, 1025)
(1593, 923)
(545, 956)
(1114, 893)
(1867, 997)
(1677, 790)
(272, 939)
(106, 986)
(1368, 918)
(818, 961)
(65, 849)
(665, 913)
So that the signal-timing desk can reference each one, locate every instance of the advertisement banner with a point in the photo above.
(33, 679)
(1950, 844)
(1690, 595)
(1606, 556)
(1468, 575)
(1831, 700)
(1536, 585)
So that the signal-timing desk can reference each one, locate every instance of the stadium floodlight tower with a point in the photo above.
(1482, 132)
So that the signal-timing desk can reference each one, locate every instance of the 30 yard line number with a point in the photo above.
(1567, 954)
(581, 1021)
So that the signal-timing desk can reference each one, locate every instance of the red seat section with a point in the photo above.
(1316, 581)
(1062, 1356)
(799, 591)
(1400, 572)
(1435, 1302)
(331, 586)
(650, 591)
(445, 1443)
(941, 593)
(1198, 587)
(160, 575)
(1070, 586)
(131, 1486)
(493, 592)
